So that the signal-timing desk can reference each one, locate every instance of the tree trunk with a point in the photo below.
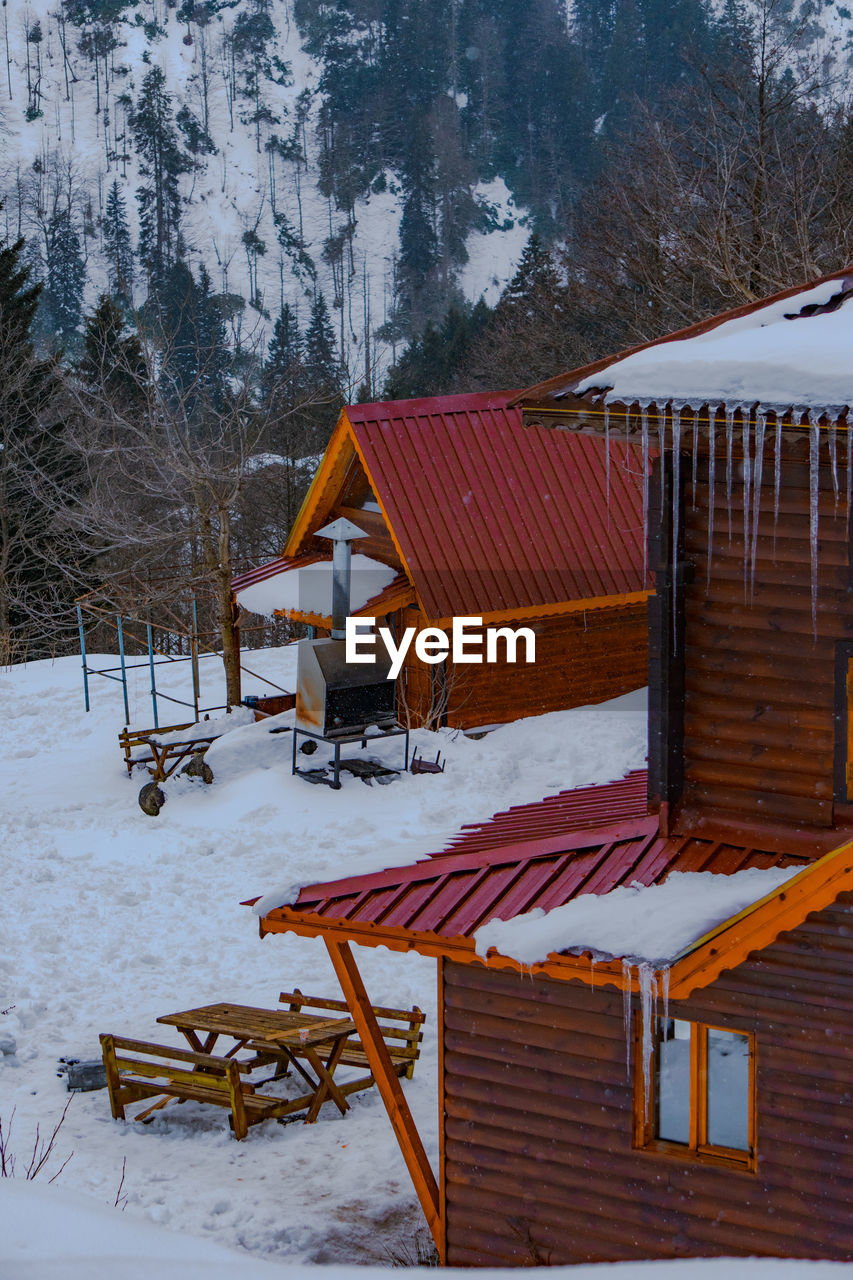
(228, 629)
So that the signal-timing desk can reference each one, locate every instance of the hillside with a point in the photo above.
(252, 209)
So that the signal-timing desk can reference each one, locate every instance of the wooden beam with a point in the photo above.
(559, 608)
(388, 1083)
(329, 474)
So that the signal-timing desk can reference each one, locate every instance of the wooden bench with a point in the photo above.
(137, 747)
(401, 1031)
(138, 1069)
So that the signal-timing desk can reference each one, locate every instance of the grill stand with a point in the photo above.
(339, 740)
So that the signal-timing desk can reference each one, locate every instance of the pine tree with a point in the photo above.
(161, 163)
(254, 51)
(283, 373)
(210, 340)
(321, 362)
(192, 333)
(112, 361)
(535, 286)
(35, 594)
(292, 421)
(418, 239)
(62, 300)
(18, 299)
(117, 246)
(323, 375)
(431, 364)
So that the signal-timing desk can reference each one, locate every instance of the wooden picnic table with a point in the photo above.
(275, 1036)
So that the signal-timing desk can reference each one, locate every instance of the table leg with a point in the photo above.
(196, 1044)
(293, 759)
(327, 1085)
(336, 782)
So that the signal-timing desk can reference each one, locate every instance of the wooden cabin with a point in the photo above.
(609, 1104)
(471, 515)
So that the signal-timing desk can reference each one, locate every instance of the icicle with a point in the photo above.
(662, 431)
(730, 430)
(644, 429)
(607, 460)
(760, 423)
(665, 989)
(695, 452)
(833, 459)
(712, 467)
(646, 975)
(626, 1012)
(747, 490)
(814, 496)
(777, 476)
(676, 514)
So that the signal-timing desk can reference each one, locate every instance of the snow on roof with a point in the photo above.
(633, 922)
(794, 352)
(308, 589)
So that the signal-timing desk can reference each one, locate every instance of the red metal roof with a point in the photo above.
(284, 564)
(272, 568)
(479, 878)
(577, 810)
(492, 516)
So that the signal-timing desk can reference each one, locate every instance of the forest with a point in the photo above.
(223, 219)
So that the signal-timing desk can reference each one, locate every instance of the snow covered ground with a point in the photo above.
(110, 918)
(48, 1234)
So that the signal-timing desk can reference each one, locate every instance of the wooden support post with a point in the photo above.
(388, 1084)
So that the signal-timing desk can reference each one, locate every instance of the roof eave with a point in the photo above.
(697, 966)
(542, 394)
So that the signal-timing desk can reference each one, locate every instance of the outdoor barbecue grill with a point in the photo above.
(334, 697)
(337, 701)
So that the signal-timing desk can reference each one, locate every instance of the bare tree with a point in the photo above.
(734, 192)
(166, 473)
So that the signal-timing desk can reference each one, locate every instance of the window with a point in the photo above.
(696, 1096)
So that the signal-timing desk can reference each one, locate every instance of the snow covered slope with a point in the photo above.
(79, 139)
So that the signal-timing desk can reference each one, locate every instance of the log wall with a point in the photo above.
(581, 658)
(759, 684)
(539, 1166)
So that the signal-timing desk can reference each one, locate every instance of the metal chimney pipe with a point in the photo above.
(341, 533)
(341, 586)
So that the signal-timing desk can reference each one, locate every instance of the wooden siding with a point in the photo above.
(760, 687)
(539, 1165)
(580, 658)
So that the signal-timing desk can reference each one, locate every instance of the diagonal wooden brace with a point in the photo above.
(388, 1083)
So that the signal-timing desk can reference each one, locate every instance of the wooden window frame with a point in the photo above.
(698, 1149)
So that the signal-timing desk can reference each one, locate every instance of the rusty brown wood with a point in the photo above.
(539, 1156)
